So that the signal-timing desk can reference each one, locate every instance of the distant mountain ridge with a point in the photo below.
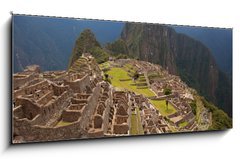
(33, 35)
(218, 40)
(49, 42)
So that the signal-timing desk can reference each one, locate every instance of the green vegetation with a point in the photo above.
(135, 75)
(135, 42)
(140, 127)
(193, 66)
(129, 67)
(118, 78)
(136, 126)
(122, 56)
(84, 44)
(105, 66)
(199, 107)
(194, 107)
(79, 65)
(106, 75)
(100, 55)
(154, 75)
(132, 70)
(167, 91)
(161, 106)
(220, 120)
(121, 78)
(106, 78)
(63, 123)
(87, 43)
(118, 47)
(183, 124)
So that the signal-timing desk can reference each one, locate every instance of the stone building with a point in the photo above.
(77, 103)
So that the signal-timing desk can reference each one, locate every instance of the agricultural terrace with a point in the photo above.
(121, 77)
(163, 109)
(136, 126)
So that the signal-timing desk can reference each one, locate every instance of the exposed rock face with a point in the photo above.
(197, 66)
(153, 43)
(180, 55)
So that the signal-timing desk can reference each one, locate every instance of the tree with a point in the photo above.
(194, 107)
(135, 76)
(106, 76)
(107, 79)
(166, 104)
(167, 91)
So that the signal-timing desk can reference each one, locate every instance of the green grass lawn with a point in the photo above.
(140, 127)
(104, 65)
(63, 123)
(129, 67)
(183, 124)
(119, 73)
(161, 106)
(136, 125)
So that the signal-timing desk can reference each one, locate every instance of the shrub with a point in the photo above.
(167, 91)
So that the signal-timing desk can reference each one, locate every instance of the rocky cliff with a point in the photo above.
(180, 55)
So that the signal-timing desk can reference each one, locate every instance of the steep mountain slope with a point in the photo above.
(34, 45)
(180, 55)
(48, 42)
(218, 40)
(87, 43)
(117, 47)
(151, 43)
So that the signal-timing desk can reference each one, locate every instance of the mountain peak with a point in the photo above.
(180, 55)
(85, 42)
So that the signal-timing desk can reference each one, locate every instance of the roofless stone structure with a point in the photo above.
(78, 103)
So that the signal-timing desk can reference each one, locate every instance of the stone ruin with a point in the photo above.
(73, 104)
(122, 113)
(59, 105)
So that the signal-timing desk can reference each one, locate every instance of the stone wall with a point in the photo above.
(76, 107)
(79, 85)
(122, 113)
(120, 128)
(45, 98)
(21, 79)
(90, 107)
(38, 86)
(42, 133)
(60, 103)
(32, 131)
(121, 119)
(58, 90)
(70, 115)
(106, 116)
(28, 108)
